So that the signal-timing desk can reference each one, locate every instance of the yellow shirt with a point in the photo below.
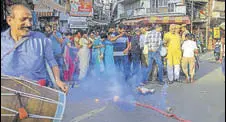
(173, 42)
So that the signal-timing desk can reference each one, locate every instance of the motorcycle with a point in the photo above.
(217, 50)
(200, 46)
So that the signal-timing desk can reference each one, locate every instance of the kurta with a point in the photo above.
(108, 55)
(96, 53)
(84, 57)
(173, 48)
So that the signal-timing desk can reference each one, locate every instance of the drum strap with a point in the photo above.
(15, 46)
(22, 113)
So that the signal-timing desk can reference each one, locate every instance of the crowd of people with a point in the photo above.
(128, 51)
(76, 56)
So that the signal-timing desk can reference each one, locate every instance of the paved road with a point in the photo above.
(202, 101)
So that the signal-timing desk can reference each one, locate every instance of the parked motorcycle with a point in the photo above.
(217, 50)
(200, 46)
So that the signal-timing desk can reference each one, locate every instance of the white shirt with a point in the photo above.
(143, 38)
(188, 48)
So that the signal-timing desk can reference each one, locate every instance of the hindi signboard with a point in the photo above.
(216, 32)
(81, 7)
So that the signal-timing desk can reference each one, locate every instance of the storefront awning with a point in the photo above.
(160, 20)
(135, 21)
(170, 20)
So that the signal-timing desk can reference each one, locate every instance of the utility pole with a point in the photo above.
(192, 15)
(208, 21)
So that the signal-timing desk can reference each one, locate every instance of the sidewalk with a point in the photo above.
(208, 56)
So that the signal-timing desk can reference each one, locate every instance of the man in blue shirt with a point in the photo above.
(57, 41)
(112, 34)
(28, 59)
(121, 49)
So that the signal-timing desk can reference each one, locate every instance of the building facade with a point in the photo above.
(152, 11)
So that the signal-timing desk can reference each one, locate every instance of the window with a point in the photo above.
(171, 7)
(154, 5)
(163, 3)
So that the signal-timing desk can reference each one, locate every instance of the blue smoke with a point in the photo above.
(105, 87)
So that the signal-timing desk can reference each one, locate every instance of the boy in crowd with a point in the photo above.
(189, 49)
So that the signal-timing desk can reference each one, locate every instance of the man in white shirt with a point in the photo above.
(189, 49)
(143, 46)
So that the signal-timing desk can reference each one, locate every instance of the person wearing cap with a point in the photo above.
(189, 48)
(121, 49)
(173, 43)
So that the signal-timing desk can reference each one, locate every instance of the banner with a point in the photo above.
(216, 32)
(81, 7)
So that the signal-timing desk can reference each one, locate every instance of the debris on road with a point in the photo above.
(145, 91)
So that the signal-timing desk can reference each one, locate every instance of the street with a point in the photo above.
(113, 60)
(202, 101)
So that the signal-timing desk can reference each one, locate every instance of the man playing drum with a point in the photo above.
(24, 52)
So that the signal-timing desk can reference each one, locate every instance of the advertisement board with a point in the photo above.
(77, 22)
(81, 7)
(216, 32)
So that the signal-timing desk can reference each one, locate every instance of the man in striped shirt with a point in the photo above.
(28, 59)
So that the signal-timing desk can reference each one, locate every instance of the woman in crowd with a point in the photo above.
(109, 63)
(97, 56)
(84, 54)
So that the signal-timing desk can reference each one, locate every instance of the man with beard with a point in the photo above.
(24, 52)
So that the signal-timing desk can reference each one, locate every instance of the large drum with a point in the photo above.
(42, 104)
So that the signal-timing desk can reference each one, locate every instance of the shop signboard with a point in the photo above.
(216, 32)
(81, 7)
(77, 22)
